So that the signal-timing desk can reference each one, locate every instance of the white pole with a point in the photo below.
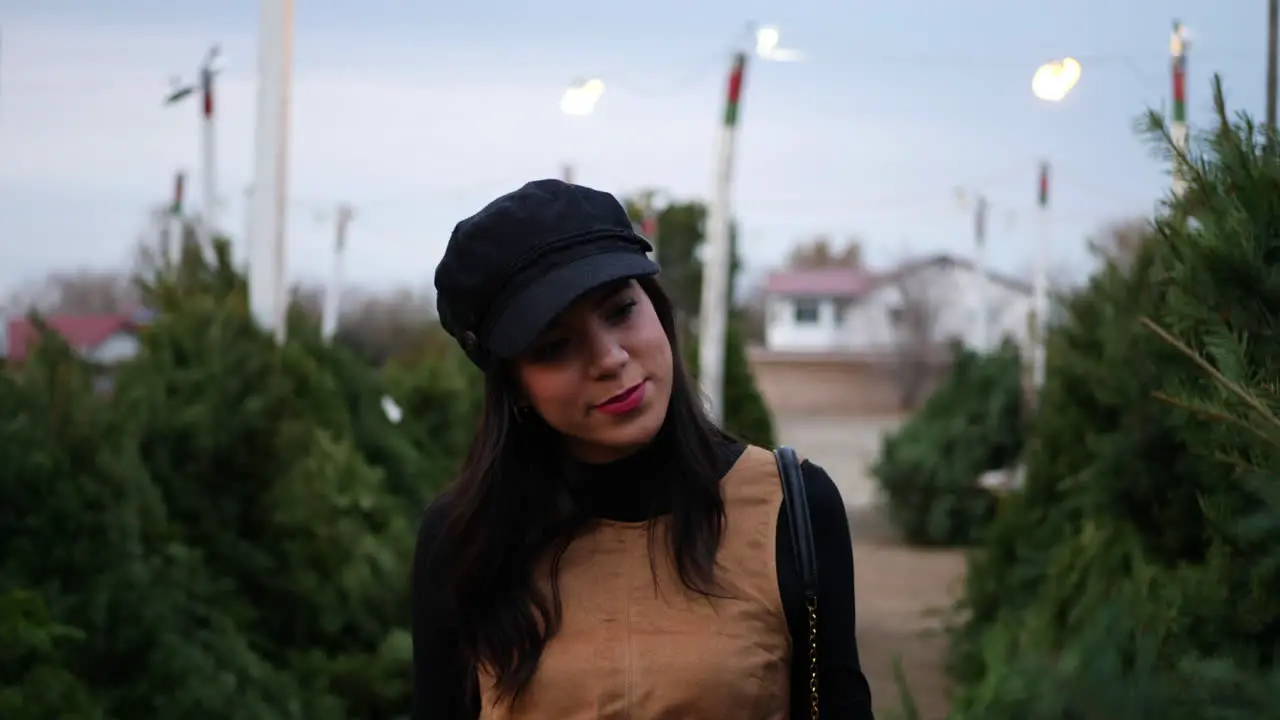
(713, 317)
(208, 160)
(1040, 281)
(333, 294)
(271, 167)
(980, 260)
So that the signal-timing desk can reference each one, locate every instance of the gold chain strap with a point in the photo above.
(813, 657)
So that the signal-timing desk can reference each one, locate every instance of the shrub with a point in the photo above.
(929, 469)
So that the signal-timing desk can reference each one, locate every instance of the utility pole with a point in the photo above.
(980, 260)
(333, 294)
(174, 230)
(1040, 282)
(1273, 21)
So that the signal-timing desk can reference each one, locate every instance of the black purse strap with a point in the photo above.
(796, 503)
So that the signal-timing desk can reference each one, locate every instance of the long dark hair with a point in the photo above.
(511, 507)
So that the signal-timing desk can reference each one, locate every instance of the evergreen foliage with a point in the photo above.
(1137, 574)
(929, 469)
(681, 233)
(746, 416)
(225, 535)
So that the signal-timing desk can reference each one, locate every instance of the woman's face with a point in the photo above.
(600, 374)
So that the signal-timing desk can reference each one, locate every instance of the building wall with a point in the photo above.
(834, 384)
(806, 323)
(954, 293)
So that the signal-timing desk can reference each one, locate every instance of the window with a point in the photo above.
(806, 311)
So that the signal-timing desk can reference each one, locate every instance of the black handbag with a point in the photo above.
(796, 504)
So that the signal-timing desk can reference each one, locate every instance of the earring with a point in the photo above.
(520, 412)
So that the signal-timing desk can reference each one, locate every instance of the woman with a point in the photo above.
(606, 551)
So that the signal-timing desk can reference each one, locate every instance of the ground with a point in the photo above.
(901, 591)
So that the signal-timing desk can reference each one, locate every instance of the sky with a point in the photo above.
(417, 114)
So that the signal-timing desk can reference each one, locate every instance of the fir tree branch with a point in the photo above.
(1244, 395)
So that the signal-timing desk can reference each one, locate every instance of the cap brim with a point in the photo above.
(529, 312)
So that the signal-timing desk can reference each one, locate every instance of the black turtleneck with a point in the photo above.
(624, 491)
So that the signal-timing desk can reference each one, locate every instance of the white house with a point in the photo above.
(855, 311)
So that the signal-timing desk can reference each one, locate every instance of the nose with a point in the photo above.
(608, 356)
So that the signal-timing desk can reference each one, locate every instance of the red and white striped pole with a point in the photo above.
(713, 317)
(1178, 124)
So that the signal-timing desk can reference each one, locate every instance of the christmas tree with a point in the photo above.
(1138, 573)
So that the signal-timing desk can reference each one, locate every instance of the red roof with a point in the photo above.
(828, 282)
(82, 332)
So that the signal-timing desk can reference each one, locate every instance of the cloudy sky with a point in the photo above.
(419, 113)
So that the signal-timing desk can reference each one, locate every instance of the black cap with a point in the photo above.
(511, 268)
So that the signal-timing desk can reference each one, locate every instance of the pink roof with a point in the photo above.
(830, 282)
(81, 332)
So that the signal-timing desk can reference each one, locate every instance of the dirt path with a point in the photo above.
(899, 592)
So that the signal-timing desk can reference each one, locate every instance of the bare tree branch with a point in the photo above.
(83, 292)
(1119, 242)
(918, 349)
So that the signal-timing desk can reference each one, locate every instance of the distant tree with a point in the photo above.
(1119, 242)
(383, 326)
(917, 342)
(78, 292)
(820, 252)
(681, 232)
(680, 237)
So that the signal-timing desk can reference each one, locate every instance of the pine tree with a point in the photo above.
(1140, 564)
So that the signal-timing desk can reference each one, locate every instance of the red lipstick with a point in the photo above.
(624, 402)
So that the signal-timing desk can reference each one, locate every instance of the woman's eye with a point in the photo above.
(622, 311)
(550, 351)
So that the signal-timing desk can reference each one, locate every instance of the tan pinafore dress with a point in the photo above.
(630, 650)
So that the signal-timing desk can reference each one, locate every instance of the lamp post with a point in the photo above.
(713, 315)
(1052, 82)
(179, 91)
(579, 100)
